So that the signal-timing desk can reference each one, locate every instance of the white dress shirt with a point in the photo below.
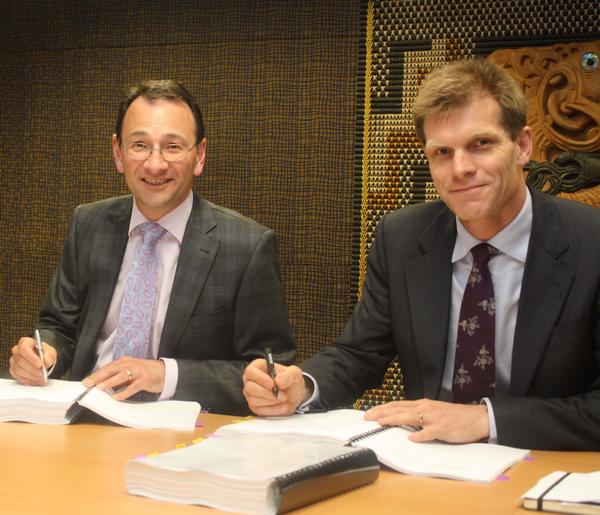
(167, 248)
(506, 269)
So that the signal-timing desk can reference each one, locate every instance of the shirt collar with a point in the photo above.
(174, 221)
(513, 240)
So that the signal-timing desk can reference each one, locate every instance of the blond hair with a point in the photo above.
(454, 85)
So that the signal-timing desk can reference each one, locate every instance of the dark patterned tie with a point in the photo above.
(474, 362)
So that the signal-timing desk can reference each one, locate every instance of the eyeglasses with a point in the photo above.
(138, 150)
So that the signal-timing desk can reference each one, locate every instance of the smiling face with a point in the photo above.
(157, 185)
(476, 167)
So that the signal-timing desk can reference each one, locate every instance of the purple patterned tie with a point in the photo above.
(474, 362)
(139, 297)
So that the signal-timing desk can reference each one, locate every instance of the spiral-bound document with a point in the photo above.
(251, 474)
(479, 462)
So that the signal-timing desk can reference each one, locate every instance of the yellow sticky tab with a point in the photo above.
(152, 454)
(238, 420)
(197, 440)
(179, 446)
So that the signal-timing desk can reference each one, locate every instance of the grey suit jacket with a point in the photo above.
(554, 399)
(227, 302)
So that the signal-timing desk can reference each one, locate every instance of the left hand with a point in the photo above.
(446, 421)
(131, 374)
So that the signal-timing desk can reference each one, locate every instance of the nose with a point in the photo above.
(155, 161)
(463, 163)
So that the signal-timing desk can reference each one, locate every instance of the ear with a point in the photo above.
(117, 153)
(200, 157)
(524, 146)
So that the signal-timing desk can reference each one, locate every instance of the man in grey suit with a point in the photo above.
(545, 272)
(216, 299)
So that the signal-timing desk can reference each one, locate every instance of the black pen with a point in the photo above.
(271, 370)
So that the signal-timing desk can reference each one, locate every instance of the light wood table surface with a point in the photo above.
(79, 469)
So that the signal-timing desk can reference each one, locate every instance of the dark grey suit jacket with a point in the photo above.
(554, 399)
(227, 302)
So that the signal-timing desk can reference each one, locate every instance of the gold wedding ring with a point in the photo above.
(129, 375)
(421, 419)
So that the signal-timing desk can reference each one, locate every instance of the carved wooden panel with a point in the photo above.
(562, 87)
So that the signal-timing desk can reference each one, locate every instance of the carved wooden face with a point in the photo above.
(562, 88)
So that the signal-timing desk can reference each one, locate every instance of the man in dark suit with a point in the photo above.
(214, 299)
(544, 266)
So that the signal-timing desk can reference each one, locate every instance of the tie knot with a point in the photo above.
(151, 232)
(483, 252)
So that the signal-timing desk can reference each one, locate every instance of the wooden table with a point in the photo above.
(79, 469)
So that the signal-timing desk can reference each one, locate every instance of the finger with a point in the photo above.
(49, 355)
(92, 380)
(256, 366)
(259, 403)
(101, 375)
(426, 434)
(391, 407)
(103, 378)
(25, 351)
(117, 380)
(401, 419)
(256, 393)
(288, 377)
(127, 392)
(279, 410)
(257, 373)
(25, 371)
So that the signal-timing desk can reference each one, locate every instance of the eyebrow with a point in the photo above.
(169, 135)
(487, 134)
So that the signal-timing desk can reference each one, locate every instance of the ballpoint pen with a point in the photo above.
(271, 370)
(40, 350)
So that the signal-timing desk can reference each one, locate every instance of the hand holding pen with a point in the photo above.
(25, 360)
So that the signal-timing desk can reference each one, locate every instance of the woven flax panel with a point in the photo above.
(403, 41)
(276, 83)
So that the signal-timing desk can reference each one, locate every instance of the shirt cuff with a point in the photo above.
(171, 377)
(493, 438)
(313, 403)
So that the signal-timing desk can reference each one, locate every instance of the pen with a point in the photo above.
(40, 350)
(271, 370)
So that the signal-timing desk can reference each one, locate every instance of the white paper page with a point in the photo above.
(54, 391)
(576, 487)
(479, 462)
(177, 415)
(338, 425)
(249, 457)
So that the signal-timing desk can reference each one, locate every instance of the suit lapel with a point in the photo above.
(546, 284)
(197, 253)
(429, 283)
(106, 257)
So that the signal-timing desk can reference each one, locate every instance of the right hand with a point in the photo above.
(25, 362)
(258, 389)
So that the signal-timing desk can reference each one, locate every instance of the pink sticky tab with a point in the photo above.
(503, 477)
